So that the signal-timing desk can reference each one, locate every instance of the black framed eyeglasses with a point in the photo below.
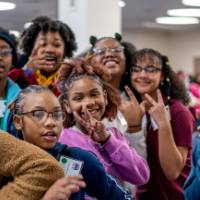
(42, 115)
(102, 51)
(4, 52)
(148, 69)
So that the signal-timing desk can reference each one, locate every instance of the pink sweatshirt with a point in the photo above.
(119, 159)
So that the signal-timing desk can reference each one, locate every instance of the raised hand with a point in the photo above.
(132, 110)
(64, 187)
(95, 129)
(36, 59)
(157, 109)
(69, 65)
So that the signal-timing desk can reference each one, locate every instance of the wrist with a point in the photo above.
(134, 128)
(106, 138)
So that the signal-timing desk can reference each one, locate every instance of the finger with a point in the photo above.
(79, 119)
(150, 100)
(160, 98)
(142, 106)
(36, 49)
(131, 95)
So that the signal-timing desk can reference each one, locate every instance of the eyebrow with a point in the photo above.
(42, 108)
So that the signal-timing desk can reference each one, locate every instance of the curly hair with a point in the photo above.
(113, 95)
(172, 87)
(44, 24)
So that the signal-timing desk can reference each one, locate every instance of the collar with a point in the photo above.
(43, 80)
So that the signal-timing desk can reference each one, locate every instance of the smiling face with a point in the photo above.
(42, 133)
(147, 82)
(5, 58)
(52, 48)
(86, 94)
(113, 58)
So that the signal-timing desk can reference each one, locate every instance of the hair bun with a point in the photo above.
(93, 39)
(118, 37)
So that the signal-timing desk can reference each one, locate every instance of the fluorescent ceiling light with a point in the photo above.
(7, 6)
(121, 3)
(191, 2)
(185, 12)
(177, 20)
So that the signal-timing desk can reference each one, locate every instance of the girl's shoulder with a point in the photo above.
(178, 106)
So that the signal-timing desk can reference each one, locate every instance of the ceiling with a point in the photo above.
(141, 14)
(137, 14)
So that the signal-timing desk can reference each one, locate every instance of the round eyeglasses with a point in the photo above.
(42, 115)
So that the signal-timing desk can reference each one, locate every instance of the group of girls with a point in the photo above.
(128, 109)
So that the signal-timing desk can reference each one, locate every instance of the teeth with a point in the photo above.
(50, 134)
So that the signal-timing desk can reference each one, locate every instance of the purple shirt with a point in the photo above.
(119, 159)
(159, 187)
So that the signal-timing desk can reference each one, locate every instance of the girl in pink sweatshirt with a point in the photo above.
(87, 99)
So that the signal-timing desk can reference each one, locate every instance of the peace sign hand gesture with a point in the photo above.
(95, 129)
(157, 110)
(132, 110)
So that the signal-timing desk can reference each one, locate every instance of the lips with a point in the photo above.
(50, 136)
(51, 60)
(2, 68)
(110, 62)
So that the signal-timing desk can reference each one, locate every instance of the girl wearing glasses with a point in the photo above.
(114, 55)
(38, 117)
(45, 43)
(168, 124)
(8, 89)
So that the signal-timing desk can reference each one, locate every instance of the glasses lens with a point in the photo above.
(58, 115)
(5, 52)
(151, 69)
(39, 115)
(136, 69)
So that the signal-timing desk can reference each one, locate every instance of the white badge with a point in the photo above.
(2, 108)
(71, 166)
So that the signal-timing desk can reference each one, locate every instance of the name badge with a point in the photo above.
(71, 166)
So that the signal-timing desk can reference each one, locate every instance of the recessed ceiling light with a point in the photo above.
(7, 6)
(191, 2)
(185, 12)
(177, 20)
(121, 3)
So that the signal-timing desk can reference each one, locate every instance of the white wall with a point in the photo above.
(180, 47)
(90, 17)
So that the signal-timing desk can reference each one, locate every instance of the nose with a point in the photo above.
(88, 103)
(49, 48)
(50, 122)
(108, 53)
(142, 73)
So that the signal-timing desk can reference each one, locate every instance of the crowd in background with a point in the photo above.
(121, 123)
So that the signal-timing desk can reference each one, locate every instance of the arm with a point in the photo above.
(132, 167)
(32, 177)
(172, 157)
(99, 184)
(173, 145)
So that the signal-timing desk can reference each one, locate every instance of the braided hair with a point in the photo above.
(99, 76)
